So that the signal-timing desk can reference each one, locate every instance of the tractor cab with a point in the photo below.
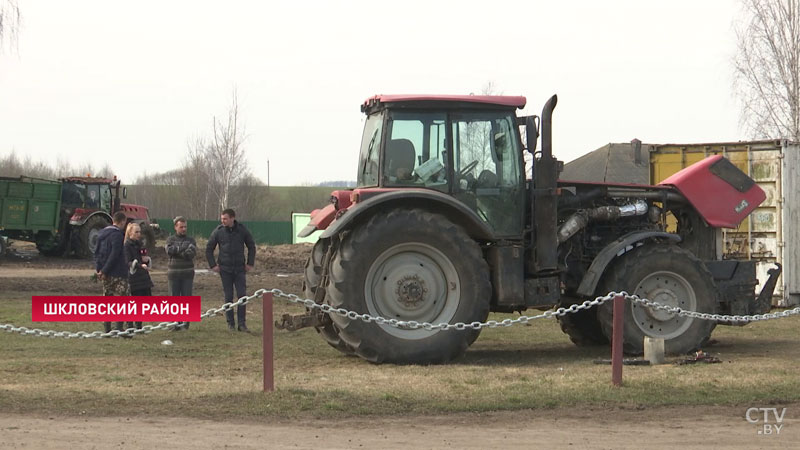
(466, 147)
(91, 193)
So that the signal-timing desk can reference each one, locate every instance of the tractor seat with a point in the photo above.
(400, 157)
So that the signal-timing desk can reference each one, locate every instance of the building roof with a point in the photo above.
(611, 163)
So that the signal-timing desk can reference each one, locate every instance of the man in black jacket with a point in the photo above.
(232, 237)
(110, 261)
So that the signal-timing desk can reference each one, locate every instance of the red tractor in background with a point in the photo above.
(444, 227)
(90, 202)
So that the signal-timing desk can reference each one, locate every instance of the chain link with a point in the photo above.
(407, 325)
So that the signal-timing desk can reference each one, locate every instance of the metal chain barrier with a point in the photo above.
(409, 325)
(412, 325)
(708, 316)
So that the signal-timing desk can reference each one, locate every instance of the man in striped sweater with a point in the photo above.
(181, 250)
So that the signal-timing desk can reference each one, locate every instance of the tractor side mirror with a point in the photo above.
(532, 132)
(125, 192)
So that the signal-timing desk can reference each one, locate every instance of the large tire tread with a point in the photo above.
(313, 272)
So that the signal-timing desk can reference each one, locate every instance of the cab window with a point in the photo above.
(416, 151)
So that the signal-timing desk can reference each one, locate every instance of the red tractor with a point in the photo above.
(87, 204)
(444, 227)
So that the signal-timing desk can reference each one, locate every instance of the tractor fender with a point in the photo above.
(598, 266)
(80, 217)
(434, 201)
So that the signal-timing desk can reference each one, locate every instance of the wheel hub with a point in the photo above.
(411, 291)
(665, 297)
(670, 289)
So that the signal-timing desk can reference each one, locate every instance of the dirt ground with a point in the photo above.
(653, 428)
(281, 267)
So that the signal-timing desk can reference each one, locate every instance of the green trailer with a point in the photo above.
(29, 209)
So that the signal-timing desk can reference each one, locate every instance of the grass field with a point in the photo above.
(212, 373)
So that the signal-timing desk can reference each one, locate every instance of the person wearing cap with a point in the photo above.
(181, 250)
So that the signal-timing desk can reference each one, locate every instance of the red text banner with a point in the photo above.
(115, 309)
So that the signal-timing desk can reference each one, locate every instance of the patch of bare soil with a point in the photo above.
(652, 428)
(286, 258)
(25, 270)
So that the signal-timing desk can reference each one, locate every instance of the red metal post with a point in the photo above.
(616, 341)
(269, 375)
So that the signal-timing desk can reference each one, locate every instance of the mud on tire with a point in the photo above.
(669, 275)
(409, 264)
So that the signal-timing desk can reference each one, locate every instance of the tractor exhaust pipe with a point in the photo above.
(544, 200)
(547, 128)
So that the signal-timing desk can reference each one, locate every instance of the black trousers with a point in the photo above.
(144, 292)
(181, 287)
(229, 281)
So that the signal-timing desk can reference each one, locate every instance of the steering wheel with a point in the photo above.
(467, 168)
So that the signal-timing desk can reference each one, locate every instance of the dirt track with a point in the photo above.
(654, 428)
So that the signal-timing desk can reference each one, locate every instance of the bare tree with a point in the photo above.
(10, 19)
(767, 68)
(12, 166)
(195, 182)
(225, 155)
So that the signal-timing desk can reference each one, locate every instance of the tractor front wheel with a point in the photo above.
(409, 265)
(669, 275)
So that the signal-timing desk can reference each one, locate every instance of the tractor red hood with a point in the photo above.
(720, 192)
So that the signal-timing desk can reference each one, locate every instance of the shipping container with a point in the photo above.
(770, 234)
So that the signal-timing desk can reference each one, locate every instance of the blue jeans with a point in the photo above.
(229, 281)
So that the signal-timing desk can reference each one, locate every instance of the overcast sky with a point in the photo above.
(131, 83)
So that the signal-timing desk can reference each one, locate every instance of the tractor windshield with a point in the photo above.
(370, 151)
(73, 195)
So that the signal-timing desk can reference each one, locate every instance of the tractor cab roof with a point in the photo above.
(379, 102)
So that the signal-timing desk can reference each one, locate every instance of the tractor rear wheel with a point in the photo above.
(313, 273)
(88, 236)
(409, 265)
(669, 275)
